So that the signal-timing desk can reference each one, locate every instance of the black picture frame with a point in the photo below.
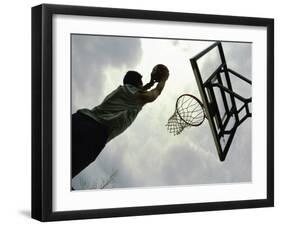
(42, 106)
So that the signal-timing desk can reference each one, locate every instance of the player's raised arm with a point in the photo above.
(148, 85)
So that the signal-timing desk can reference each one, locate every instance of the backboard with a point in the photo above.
(225, 109)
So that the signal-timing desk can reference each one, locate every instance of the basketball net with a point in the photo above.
(189, 112)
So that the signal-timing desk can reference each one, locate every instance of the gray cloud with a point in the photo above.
(175, 42)
(239, 57)
(91, 56)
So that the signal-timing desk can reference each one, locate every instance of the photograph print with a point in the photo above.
(154, 112)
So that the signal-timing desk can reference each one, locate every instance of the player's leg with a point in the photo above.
(88, 139)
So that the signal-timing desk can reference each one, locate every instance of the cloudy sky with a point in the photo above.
(146, 154)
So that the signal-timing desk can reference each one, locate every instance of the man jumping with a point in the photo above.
(93, 128)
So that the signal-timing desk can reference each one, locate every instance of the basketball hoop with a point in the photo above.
(189, 112)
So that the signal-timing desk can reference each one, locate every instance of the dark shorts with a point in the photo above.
(88, 139)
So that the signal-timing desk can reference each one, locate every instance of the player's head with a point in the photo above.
(133, 78)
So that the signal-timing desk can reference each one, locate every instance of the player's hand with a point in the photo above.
(164, 76)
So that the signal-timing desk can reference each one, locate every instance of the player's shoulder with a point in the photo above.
(132, 89)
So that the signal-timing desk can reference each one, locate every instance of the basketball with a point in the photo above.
(159, 72)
